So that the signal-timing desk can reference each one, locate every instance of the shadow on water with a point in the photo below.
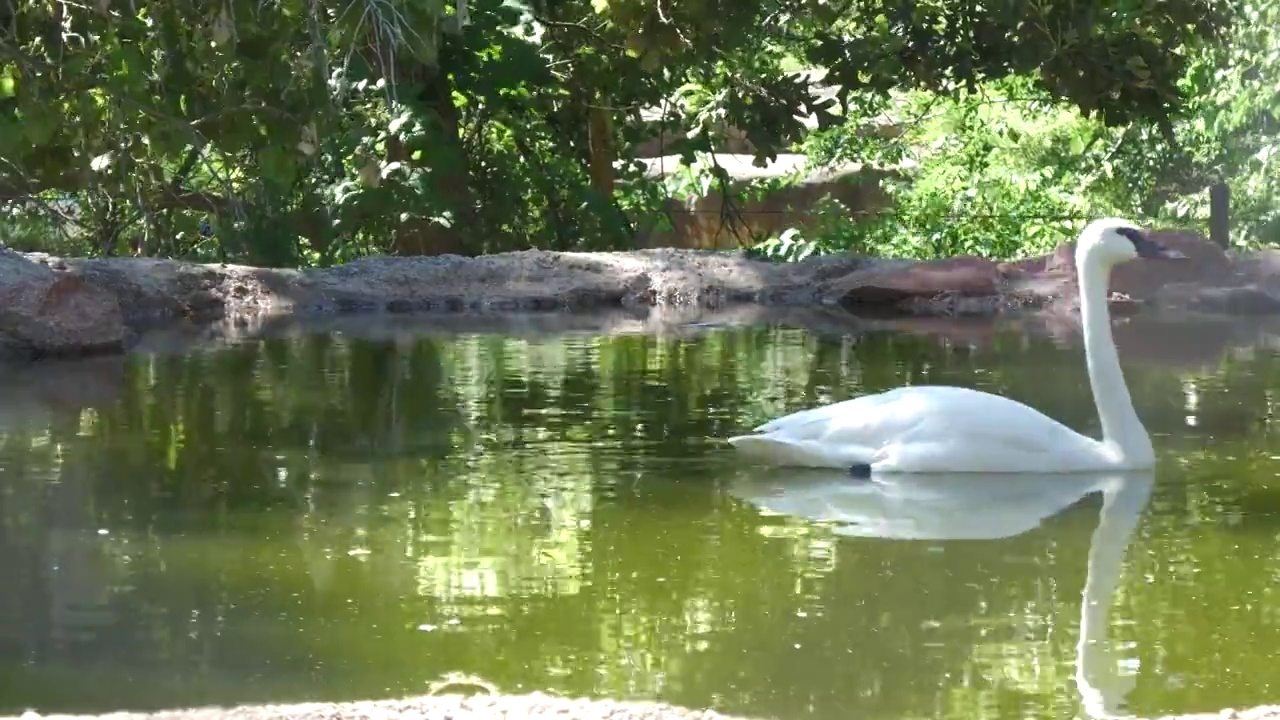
(356, 512)
(1170, 339)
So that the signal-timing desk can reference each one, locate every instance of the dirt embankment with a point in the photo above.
(492, 707)
(55, 306)
(61, 306)
(425, 707)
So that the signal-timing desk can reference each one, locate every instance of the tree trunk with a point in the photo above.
(600, 140)
(419, 236)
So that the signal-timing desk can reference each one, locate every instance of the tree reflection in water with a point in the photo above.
(330, 517)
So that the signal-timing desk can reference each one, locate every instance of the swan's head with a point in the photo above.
(1111, 241)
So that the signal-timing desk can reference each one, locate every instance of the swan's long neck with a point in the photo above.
(1121, 427)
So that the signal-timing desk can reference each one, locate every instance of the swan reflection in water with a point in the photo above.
(967, 506)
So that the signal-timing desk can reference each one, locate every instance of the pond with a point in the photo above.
(322, 516)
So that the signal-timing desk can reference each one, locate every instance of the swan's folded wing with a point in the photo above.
(923, 429)
(846, 416)
(988, 434)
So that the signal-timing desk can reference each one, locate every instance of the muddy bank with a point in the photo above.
(425, 707)
(511, 707)
(69, 306)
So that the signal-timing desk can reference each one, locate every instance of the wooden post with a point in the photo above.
(1220, 214)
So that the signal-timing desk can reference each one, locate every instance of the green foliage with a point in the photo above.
(315, 131)
(1005, 170)
(1231, 130)
(994, 173)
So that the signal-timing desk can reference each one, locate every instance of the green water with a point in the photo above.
(320, 517)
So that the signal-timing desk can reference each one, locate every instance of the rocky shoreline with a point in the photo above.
(489, 707)
(52, 306)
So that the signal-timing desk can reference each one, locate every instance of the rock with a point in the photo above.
(713, 221)
(52, 305)
(1206, 264)
(47, 313)
(1207, 281)
(529, 280)
(1054, 274)
(1260, 268)
(157, 289)
(901, 286)
(1239, 300)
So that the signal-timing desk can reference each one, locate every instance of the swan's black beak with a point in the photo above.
(1150, 249)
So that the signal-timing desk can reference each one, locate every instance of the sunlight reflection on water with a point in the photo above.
(336, 517)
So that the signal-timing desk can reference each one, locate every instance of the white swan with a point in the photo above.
(971, 506)
(951, 429)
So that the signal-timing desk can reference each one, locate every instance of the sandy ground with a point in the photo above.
(476, 707)
(426, 707)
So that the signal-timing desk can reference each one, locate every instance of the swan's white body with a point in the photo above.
(925, 429)
(928, 429)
